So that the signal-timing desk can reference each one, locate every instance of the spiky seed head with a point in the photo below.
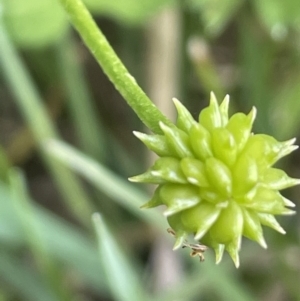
(216, 178)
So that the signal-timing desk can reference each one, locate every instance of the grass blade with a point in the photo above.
(65, 242)
(109, 183)
(31, 105)
(34, 238)
(91, 135)
(22, 281)
(122, 277)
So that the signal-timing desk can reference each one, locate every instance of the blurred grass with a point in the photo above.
(31, 105)
(251, 51)
(34, 239)
(80, 103)
(123, 280)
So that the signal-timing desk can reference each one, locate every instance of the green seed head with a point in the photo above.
(216, 179)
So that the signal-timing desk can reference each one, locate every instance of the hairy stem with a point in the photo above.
(112, 65)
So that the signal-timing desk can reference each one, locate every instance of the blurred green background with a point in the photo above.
(67, 147)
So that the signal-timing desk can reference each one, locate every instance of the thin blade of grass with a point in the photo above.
(90, 133)
(23, 282)
(31, 106)
(109, 183)
(66, 243)
(34, 238)
(123, 279)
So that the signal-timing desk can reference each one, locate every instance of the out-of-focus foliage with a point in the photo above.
(274, 13)
(34, 23)
(215, 14)
(248, 49)
(128, 11)
(38, 23)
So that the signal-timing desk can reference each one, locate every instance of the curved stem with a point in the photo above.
(112, 65)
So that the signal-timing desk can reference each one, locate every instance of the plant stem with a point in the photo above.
(112, 65)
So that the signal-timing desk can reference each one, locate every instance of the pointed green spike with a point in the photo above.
(177, 140)
(287, 211)
(168, 169)
(180, 239)
(262, 242)
(270, 221)
(219, 251)
(240, 126)
(252, 228)
(272, 202)
(154, 201)
(151, 204)
(285, 148)
(184, 120)
(288, 142)
(277, 179)
(224, 110)
(252, 115)
(200, 140)
(164, 170)
(156, 143)
(210, 117)
(146, 177)
(286, 151)
(288, 202)
(233, 250)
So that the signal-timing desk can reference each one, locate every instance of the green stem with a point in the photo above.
(112, 65)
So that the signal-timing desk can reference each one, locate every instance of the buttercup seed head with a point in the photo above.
(216, 179)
